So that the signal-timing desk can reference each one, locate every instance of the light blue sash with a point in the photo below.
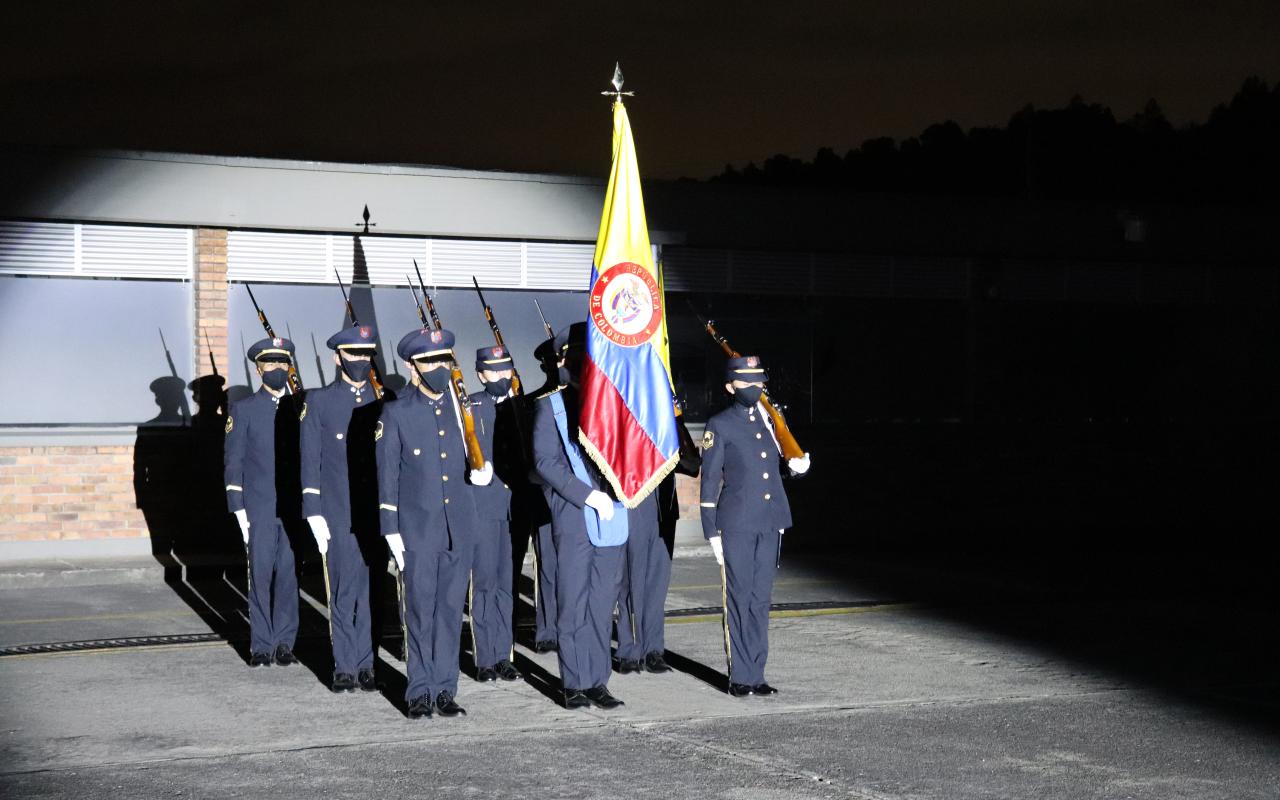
(602, 533)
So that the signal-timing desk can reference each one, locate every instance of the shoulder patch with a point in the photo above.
(377, 432)
(708, 439)
(231, 421)
(301, 414)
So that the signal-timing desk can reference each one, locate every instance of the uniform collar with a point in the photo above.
(421, 397)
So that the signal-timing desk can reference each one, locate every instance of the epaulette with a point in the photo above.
(553, 391)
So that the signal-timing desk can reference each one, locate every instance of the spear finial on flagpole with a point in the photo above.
(617, 81)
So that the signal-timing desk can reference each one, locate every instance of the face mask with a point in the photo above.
(275, 378)
(437, 380)
(562, 373)
(748, 396)
(357, 371)
(498, 388)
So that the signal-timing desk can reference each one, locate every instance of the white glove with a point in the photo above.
(395, 543)
(482, 476)
(717, 549)
(799, 465)
(242, 517)
(601, 503)
(320, 530)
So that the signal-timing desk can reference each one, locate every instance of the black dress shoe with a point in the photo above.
(576, 699)
(626, 666)
(600, 698)
(546, 646)
(486, 674)
(446, 707)
(285, 656)
(343, 682)
(420, 707)
(367, 682)
(740, 689)
(259, 659)
(654, 662)
(763, 688)
(507, 671)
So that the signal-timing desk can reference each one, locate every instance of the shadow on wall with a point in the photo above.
(178, 486)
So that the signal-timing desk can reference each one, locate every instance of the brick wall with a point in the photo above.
(62, 493)
(67, 493)
(210, 299)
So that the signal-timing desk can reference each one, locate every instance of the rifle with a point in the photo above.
(351, 312)
(295, 380)
(475, 456)
(497, 335)
(173, 372)
(545, 325)
(422, 315)
(790, 447)
(319, 365)
(209, 345)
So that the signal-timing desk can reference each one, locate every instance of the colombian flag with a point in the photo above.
(628, 423)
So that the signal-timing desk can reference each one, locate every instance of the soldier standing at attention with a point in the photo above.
(339, 499)
(498, 429)
(744, 512)
(588, 529)
(261, 467)
(428, 517)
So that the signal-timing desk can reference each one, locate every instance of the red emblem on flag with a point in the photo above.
(626, 304)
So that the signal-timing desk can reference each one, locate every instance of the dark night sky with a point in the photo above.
(516, 86)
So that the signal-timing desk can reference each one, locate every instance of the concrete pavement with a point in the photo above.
(880, 698)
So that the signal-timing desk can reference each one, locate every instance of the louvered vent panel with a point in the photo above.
(280, 257)
(558, 266)
(122, 251)
(493, 263)
(37, 248)
(689, 270)
(760, 272)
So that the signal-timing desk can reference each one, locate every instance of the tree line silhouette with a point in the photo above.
(1078, 153)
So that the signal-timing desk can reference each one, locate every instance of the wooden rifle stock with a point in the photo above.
(475, 456)
(786, 440)
(516, 386)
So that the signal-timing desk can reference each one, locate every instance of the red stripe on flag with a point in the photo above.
(615, 432)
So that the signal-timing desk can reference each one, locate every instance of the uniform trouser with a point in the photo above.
(349, 604)
(643, 596)
(273, 597)
(587, 580)
(491, 600)
(545, 613)
(435, 588)
(750, 559)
